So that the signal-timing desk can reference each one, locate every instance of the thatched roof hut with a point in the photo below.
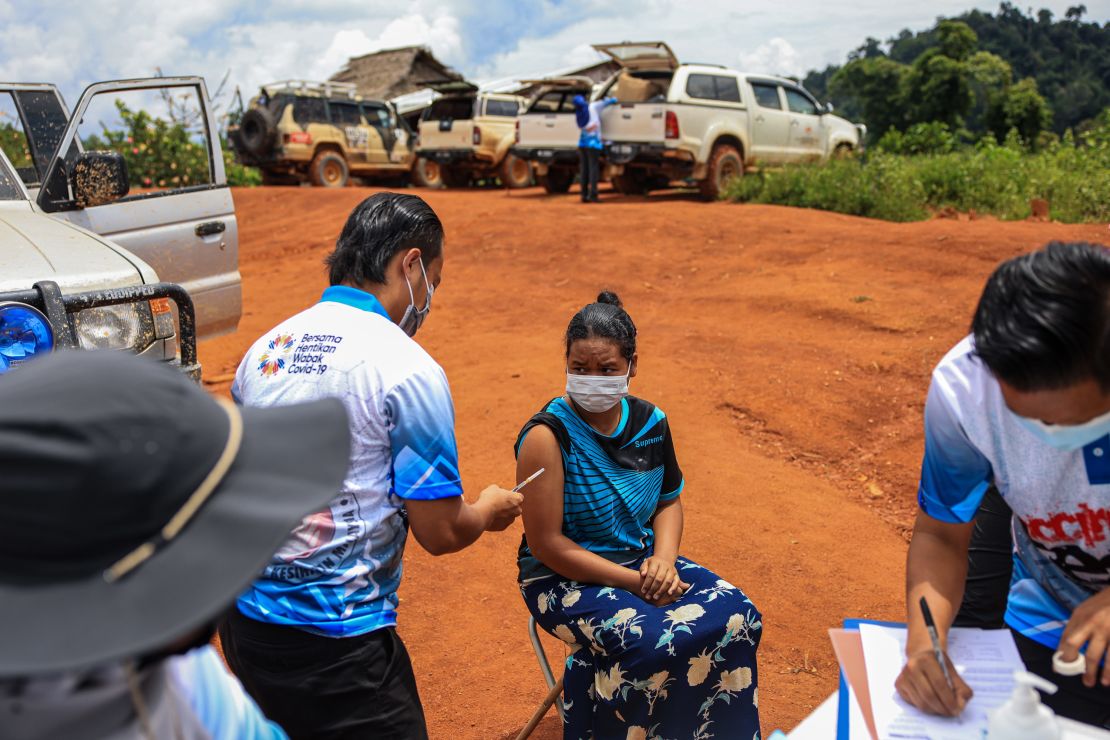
(386, 74)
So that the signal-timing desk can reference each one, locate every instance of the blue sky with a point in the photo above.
(75, 43)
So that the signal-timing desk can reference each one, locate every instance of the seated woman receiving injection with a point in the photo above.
(662, 647)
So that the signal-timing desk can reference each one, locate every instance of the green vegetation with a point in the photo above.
(159, 153)
(914, 174)
(163, 154)
(14, 145)
(978, 73)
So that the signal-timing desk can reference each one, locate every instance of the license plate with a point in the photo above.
(545, 153)
(622, 149)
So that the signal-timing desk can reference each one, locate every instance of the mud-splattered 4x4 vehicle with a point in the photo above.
(85, 247)
(468, 135)
(324, 133)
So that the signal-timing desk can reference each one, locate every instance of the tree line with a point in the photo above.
(976, 74)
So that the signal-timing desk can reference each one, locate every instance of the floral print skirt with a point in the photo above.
(686, 671)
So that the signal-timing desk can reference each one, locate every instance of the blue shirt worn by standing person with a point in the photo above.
(588, 118)
(612, 483)
(337, 575)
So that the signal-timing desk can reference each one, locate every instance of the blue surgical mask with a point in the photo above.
(1068, 437)
(414, 317)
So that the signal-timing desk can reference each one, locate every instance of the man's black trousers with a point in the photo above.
(325, 688)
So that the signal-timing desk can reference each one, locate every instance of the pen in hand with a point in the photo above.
(931, 627)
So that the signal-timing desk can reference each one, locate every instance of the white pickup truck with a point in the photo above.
(547, 132)
(706, 124)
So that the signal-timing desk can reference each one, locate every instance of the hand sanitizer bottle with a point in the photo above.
(1023, 717)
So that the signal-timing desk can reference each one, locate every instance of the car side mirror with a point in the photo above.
(99, 177)
(829, 107)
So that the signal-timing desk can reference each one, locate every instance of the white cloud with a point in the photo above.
(777, 56)
(73, 44)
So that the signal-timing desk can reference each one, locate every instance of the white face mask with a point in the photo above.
(597, 393)
(414, 316)
(1068, 437)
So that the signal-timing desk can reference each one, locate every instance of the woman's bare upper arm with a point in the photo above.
(543, 497)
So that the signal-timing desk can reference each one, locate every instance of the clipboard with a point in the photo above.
(844, 710)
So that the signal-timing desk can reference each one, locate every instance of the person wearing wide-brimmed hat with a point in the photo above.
(134, 507)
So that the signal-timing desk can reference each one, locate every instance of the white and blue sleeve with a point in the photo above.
(218, 699)
(422, 437)
(954, 473)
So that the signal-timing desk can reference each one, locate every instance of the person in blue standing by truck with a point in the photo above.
(588, 117)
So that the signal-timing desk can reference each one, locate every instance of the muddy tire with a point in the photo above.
(257, 131)
(843, 151)
(630, 183)
(329, 170)
(427, 173)
(556, 182)
(725, 164)
(454, 178)
(515, 172)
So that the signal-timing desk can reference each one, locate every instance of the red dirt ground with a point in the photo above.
(791, 350)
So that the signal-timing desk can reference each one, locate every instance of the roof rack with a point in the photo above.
(327, 89)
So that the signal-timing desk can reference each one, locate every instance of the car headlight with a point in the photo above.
(108, 327)
(24, 333)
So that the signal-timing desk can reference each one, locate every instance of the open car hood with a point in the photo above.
(640, 54)
(451, 87)
(572, 82)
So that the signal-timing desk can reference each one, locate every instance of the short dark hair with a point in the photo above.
(607, 319)
(378, 228)
(1043, 321)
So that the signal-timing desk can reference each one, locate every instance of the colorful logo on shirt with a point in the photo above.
(277, 352)
(314, 532)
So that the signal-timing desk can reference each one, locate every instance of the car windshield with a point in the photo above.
(9, 187)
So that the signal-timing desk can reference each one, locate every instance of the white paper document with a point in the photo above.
(986, 659)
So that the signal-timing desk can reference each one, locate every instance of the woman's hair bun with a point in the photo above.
(608, 296)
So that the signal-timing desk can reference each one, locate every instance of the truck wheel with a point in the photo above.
(427, 173)
(515, 172)
(843, 151)
(329, 170)
(556, 182)
(454, 178)
(257, 131)
(630, 183)
(724, 166)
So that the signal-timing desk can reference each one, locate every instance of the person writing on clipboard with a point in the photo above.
(1023, 404)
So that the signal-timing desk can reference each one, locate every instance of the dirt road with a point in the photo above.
(791, 350)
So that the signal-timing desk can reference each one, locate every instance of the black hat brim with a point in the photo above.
(292, 462)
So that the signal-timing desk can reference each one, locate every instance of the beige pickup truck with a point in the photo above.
(467, 134)
(705, 124)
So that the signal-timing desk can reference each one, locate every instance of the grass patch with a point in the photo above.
(989, 178)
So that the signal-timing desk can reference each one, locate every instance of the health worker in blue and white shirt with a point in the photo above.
(1023, 404)
(313, 639)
